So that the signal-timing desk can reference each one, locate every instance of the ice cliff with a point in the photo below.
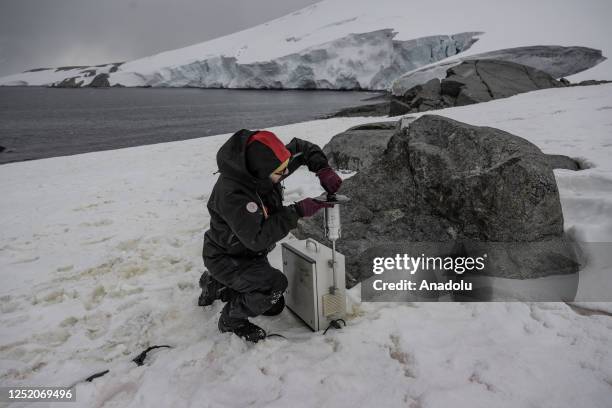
(356, 61)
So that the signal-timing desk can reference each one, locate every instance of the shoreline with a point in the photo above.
(375, 91)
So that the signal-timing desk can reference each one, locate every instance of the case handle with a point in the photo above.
(316, 245)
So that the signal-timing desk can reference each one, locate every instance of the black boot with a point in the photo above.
(211, 290)
(276, 308)
(240, 327)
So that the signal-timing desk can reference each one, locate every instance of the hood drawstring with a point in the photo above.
(263, 207)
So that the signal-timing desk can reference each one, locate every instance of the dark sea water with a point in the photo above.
(38, 122)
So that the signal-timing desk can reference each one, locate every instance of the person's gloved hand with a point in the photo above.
(309, 207)
(330, 181)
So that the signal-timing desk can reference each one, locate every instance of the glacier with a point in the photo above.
(356, 61)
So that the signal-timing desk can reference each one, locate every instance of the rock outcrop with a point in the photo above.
(555, 60)
(372, 109)
(472, 82)
(100, 81)
(454, 189)
(72, 82)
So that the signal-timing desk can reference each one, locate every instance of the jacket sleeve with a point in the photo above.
(251, 227)
(304, 152)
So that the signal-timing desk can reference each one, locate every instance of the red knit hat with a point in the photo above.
(265, 153)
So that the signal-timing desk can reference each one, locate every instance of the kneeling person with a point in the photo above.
(247, 218)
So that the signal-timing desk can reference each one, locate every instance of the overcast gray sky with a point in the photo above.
(49, 33)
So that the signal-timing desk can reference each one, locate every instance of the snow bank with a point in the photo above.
(100, 258)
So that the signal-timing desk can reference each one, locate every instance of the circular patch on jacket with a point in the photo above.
(251, 207)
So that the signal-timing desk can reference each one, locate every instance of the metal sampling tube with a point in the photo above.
(332, 222)
(332, 231)
(334, 265)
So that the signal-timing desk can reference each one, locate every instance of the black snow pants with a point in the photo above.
(255, 284)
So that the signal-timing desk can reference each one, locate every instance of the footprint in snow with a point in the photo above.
(97, 241)
(101, 223)
(27, 260)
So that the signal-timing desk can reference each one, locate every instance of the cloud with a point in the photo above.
(36, 33)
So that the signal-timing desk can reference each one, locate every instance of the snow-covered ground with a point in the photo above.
(100, 258)
(329, 26)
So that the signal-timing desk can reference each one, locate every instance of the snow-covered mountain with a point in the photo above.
(347, 44)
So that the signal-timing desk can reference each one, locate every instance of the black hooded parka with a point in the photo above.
(247, 216)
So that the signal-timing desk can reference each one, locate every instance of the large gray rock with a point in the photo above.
(359, 146)
(555, 60)
(459, 188)
(472, 82)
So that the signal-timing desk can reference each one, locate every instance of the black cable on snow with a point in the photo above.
(96, 375)
(335, 324)
(139, 360)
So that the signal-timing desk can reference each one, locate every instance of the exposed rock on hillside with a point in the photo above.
(472, 82)
(100, 81)
(555, 60)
